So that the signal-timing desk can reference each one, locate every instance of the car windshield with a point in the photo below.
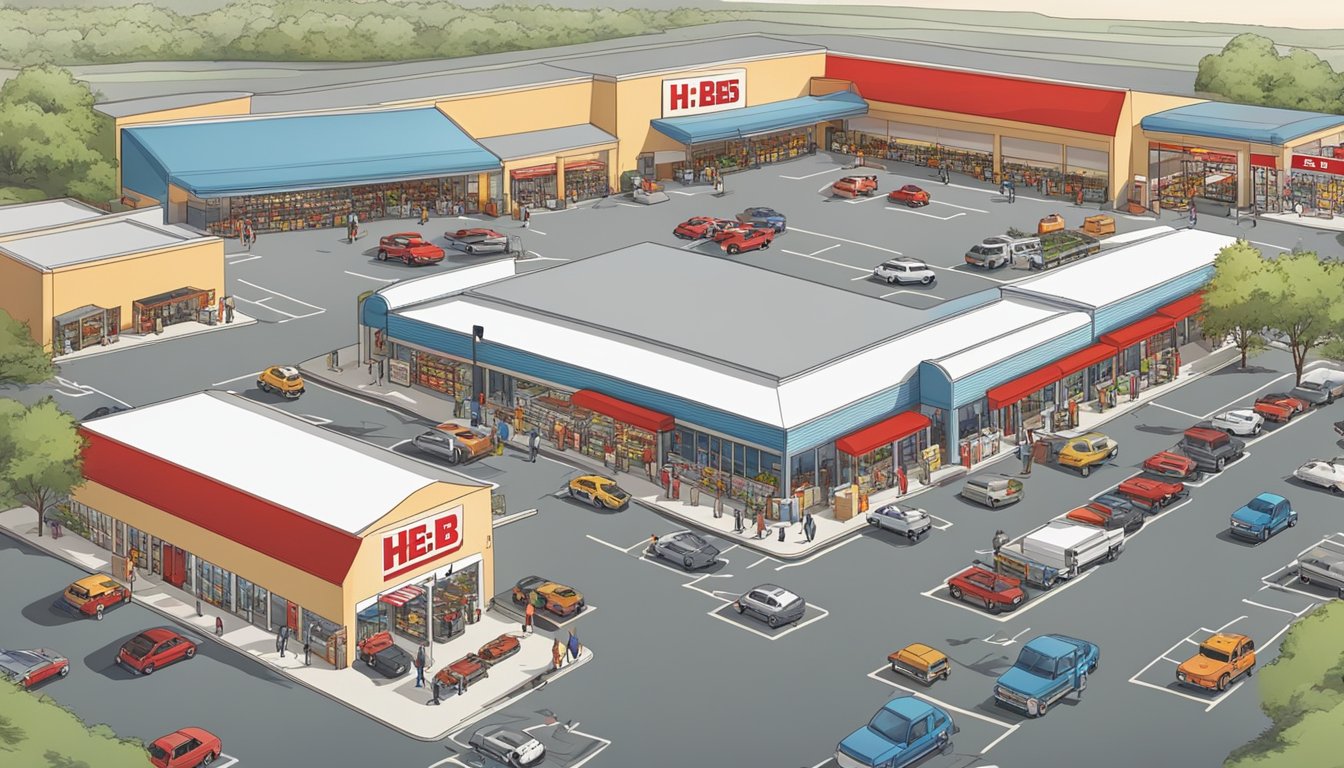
(1310, 386)
(614, 490)
(984, 250)
(890, 725)
(1000, 585)
(564, 592)
(138, 646)
(1260, 505)
(512, 739)
(157, 752)
(78, 591)
(294, 377)
(691, 540)
(1036, 663)
(1213, 653)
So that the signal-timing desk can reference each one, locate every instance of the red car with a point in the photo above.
(1279, 407)
(468, 669)
(478, 240)
(853, 186)
(990, 589)
(410, 248)
(28, 668)
(697, 227)
(748, 240)
(185, 748)
(910, 194)
(1171, 464)
(730, 228)
(1149, 491)
(499, 649)
(154, 648)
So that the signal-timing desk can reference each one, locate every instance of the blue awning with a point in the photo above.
(225, 158)
(1240, 122)
(763, 118)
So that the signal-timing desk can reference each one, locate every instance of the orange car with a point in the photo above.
(1221, 659)
(470, 443)
(853, 186)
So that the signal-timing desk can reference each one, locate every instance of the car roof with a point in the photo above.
(1204, 433)
(908, 707)
(96, 580)
(1090, 436)
(1224, 641)
(924, 651)
(287, 370)
(1050, 645)
(173, 740)
(595, 478)
(158, 634)
(784, 595)
(1327, 556)
(1272, 498)
(404, 234)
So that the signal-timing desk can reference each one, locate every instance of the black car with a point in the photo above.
(380, 653)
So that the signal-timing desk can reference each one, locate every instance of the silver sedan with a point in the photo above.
(904, 521)
(687, 548)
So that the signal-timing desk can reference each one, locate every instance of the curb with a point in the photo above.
(515, 517)
(114, 348)
(484, 711)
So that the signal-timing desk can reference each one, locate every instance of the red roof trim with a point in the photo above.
(1132, 334)
(1179, 310)
(533, 172)
(622, 411)
(887, 431)
(270, 529)
(1084, 359)
(1034, 102)
(1005, 395)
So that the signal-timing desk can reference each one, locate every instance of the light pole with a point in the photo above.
(477, 334)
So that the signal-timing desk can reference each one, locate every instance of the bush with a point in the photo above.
(36, 731)
(52, 142)
(1249, 70)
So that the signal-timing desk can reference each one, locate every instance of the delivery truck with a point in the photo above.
(1064, 547)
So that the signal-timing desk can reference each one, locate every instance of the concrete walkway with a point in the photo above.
(175, 331)
(397, 703)
(355, 379)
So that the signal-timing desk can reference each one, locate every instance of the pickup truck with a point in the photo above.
(1049, 668)
(1062, 247)
(1210, 449)
(1065, 547)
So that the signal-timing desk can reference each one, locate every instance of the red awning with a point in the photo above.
(533, 172)
(623, 412)
(1085, 359)
(1179, 310)
(1132, 334)
(887, 431)
(1005, 395)
(586, 165)
(1264, 161)
(399, 597)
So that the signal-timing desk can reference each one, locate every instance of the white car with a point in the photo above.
(507, 746)
(1242, 421)
(904, 270)
(1327, 474)
(906, 521)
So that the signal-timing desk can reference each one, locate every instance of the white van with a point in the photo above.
(1070, 548)
(1002, 250)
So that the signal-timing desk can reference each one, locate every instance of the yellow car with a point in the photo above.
(543, 593)
(921, 662)
(601, 492)
(1087, 451)
(1221, 659)
(283, 380)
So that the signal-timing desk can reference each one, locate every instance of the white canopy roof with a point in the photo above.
(981, 356)
(408, 292)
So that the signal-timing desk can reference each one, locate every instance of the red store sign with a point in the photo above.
(704, 94)
(1315, 164)
(421, 542)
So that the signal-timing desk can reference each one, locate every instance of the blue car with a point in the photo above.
(768, 217)
(1048, 668)
(1263, 516)
(902, 731)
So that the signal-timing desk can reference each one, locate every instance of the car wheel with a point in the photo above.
(191, 652)
(733, 249)
(382, 255)
(993, 503)
(991, 606)
(597, 503)
(1219, 464)
(772, 621)
(1302, 577)
(741, 609)
(126, 599)
(1164, 501)
(1257, 428)
(1337, 489)
(1264, 534)
(955, 592)
(1222, 682)
(765, 246)
(1085, 471)
(893, 666)
(946, 748)
(470, 249)
(147, 670)
(687, 562)
(1082, 684)
(64, 671)
(926, 281)
(891, 280)
(1292, 522)
(1112, 554)
(208, 759)
(263, 386)
(1114, 452)
(98, 613)
(571, 493)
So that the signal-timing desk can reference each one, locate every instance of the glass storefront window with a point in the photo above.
(441, 374)
(827, 472)
(971, 418)
(1072, 386)
(317, 629)
(804, 469)
(938, 429)
(371, 620)
(279, 612)
(214, 585)
(456, 598)
(410, 619)
(1184, 173)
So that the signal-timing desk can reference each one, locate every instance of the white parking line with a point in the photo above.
(281, 295)
(1165, 689)
(995, 742)
(1174, 410)
(926, 215)
(823, 250)
(844, 240)
(980, 275)
(235, 378)
(85, 389)
(858, 200)
(995, 640)
(792, 627)
(1270, 245)
(370, 277)
(827, 261)
(810, 175)
(1297, 614)
(877, 675)
(273, 309)
(945, 523)
(684, 194)
(962, 207)
(758, 562)
(1252, 393)
(805, 561)
(625, 550)
(714, 593)
(917, 293)
(240, 261)
(228, 761)
(1034, 601)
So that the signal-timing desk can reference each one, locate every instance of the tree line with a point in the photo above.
(1250, 70)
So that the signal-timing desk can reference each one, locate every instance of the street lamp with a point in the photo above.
(477, 334)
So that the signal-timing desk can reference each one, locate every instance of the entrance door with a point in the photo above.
(645, 165)
(292, 616)
(174, 565)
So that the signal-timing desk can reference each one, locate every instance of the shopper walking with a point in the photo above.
(533, 445)
(284, 640)
(1026, 457)
(527, 217)
(809, 527)
(247, 235)
(529, 615)
(503, 437)
(420, 666)
(648, 461)
(424, 214)
(1000, 539)
(308, 649)
(574, 647)
(557, 655)
(1194, 215)
(380, 372)
(435, 686)
(760, 524)
(737, 520)
(228, 309)
(494, 438)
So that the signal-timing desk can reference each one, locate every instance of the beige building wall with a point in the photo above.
(25, 293)
(521, 111)
(225, 108)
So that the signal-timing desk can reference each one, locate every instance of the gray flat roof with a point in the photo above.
(25, 217)
(402, 88)
(711, 307)
(174, 101)
(533, 143)
(103, 240)
(640, 58)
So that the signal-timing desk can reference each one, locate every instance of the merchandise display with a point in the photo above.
(734, 155)
(586, 179)
(1318, 193)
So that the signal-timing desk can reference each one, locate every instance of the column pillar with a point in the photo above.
(998, 157)
(561, 192)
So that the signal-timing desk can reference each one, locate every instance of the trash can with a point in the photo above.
(695, 495)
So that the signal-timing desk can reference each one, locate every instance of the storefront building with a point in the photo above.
(402, 548)
(1220, 155)
(554, 166)
(84, 282)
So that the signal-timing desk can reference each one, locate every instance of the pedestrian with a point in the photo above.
(760, 524)
(503, 437)
(308, 649)
(676, 486)
(653, 544)
(574, 647)
(1022, 454)
(902, 482)
(279, 641)
(557, 655)
(336, 359)
(219, 626)
(420, 666)
(737, 520)
(424, 214)
(380, 372)
(284, 640)
(1030, 456)
(1000, 539)
(435, 686)
(527, 217)
(228, 309)
(1255, 215)
(1079, 199)
(494, 438)
(475, 413)
(809, 527)
(374, 380)
(461, 684)
(1194, 215)
(529, 614)
(648, 461)
(1012, 191)
(533, 445)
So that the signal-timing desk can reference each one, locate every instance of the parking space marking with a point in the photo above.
(858, 200)
(1031, 602)
(962, 207)
(1163, 689)
(823, 250)
(792, 627)
(229, 761)
(240, 261)
(623, 550)
(921, 213)
(1009, 728)
(273, 309)
(730, 549)
(235, 378)
(826, 551)
(371, 277)
(1297, 614)
(1253, 392)
(969, 273)
(281, 295)
(449, 761)
(810, 175)
(1164, 657)
(714, 593)
(865, 270)
(995, 640)
(574, 730)
(936, 520)
(845, 240)
(917, 293)
(762, 560)
(1174, 410)
(1269, 245)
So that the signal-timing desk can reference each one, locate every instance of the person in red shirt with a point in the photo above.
(648, 461)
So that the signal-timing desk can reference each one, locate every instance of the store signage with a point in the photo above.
(1319, 164)
(422, 542)
(399, 372)
(704, 94)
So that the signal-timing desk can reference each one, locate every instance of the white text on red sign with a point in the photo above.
(421, 542)
(704, 94)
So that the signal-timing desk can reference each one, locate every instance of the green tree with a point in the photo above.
(35, 731)
(40, 455)
(22, 360)
(51, 139)
(1305, 302)
(1235, 305)
(1250, 70)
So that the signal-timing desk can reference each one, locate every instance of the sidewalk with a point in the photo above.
(1335, 224)
(356, 380)
(175, 331)
(397, 703)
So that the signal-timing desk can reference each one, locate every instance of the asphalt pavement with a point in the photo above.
(681, 678)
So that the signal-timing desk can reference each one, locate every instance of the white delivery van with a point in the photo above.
(1070, 547)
